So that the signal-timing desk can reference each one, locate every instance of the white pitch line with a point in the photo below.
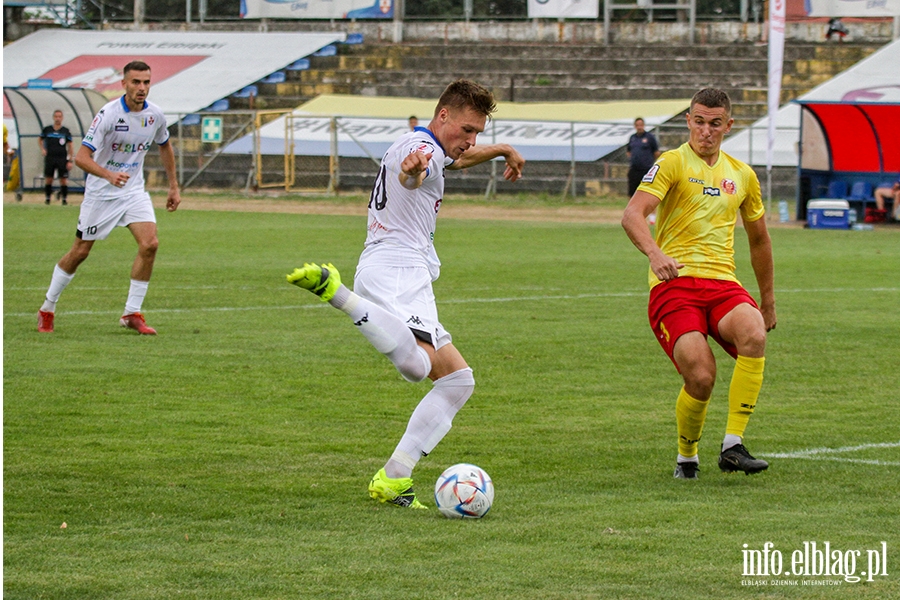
(864, 461)
(825, 454)
(452, 301)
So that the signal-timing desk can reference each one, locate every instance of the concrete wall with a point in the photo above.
(542, 30)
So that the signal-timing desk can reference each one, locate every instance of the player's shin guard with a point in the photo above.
(433, 417)
(388, 334)
(743, 393)
(690, 414)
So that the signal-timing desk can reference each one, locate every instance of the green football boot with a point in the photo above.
(396, 491)
(322, 281)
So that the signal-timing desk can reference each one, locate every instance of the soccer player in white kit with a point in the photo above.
(112, 154)
(393, 304)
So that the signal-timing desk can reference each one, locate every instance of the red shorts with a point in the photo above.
(687, 304)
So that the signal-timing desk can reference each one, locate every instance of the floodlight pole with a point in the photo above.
(399, 9)
(138, 14)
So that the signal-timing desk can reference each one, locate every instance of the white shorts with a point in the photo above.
(98, 218)
(407, 293)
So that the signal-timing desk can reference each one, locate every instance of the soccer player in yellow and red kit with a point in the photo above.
(697, 191)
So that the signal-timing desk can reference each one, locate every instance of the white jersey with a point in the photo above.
(402, 221)
(120, 139)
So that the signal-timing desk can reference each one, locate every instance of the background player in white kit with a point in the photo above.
(112, 154)
(393, 304)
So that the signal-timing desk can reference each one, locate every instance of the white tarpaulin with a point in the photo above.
(317, 9)
(874, 79)
(852, 8)
(190, 70)
(360, 136)
(572, 9)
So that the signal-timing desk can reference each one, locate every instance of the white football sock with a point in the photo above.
(731, 440)
(387, 333)
(431, 421)
(687, 459)
(136, 293)
(58, 283)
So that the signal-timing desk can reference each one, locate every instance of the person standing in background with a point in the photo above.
(642, 151)
(56, 146)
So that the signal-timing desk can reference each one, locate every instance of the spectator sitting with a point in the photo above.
(835, 26)
(890, 194)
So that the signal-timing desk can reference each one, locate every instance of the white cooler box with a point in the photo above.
(828, 214)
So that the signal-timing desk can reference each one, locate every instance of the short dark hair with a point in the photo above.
(463, 93)
(712, 98)
(135, 65)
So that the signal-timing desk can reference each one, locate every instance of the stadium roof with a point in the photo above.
(875, 79)
(191, 69)
(851, 137)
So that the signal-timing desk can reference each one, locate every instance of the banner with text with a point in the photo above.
(573, 9)
(317, 9)
(360, 137)
(852, 8)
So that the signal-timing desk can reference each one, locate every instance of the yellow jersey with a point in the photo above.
(698, 210)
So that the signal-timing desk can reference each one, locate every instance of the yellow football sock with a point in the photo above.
(690, 414)
(743, 393)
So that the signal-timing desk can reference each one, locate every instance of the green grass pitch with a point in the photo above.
(228, 457)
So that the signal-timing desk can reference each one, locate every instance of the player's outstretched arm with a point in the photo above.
(479, 154)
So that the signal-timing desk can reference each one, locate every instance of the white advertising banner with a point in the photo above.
(360, 137)
(573, 9)
(852, 8)
(317, 9)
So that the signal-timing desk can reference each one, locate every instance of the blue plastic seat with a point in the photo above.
(192, 119)
(250, 90)
(276, 77)
(329, 50)
(219, 105)
(861, 190)
(837, 189)
(354, 38)
(299, 65)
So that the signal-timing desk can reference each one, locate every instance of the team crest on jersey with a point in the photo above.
(651, 174)
(146, 121)
(423, 147)
(712, 191)
(729, 187)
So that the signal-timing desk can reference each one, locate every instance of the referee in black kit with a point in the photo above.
(56, 146)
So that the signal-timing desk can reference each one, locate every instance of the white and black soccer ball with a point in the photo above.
(464, 491)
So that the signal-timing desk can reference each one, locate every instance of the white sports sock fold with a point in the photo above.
(58, 282)
(387, 333)
(433, 417)
(136, 293)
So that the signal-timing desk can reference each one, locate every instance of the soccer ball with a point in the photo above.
(464, 491)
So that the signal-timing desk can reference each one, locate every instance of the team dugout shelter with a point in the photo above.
(32, 109)
(847, 149)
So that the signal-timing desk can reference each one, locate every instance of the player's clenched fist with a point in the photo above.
(413, 169)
